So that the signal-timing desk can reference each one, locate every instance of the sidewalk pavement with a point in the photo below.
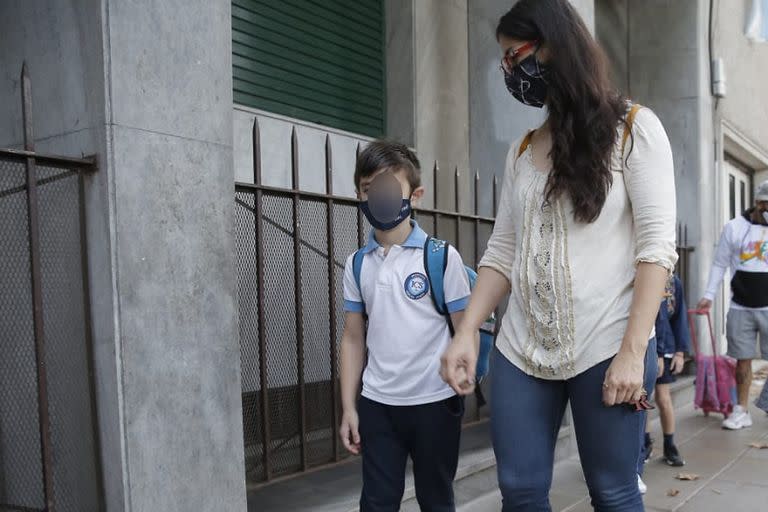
(732, 475)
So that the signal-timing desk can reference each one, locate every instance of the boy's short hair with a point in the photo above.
(384, 154)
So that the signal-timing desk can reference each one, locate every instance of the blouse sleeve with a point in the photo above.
(650, 181)
(500, 252)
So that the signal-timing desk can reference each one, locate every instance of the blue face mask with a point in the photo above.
(386, 212)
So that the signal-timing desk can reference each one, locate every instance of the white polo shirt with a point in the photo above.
(406, 335)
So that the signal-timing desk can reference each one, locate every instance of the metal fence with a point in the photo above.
(291, 318)
(48, 442)
(290, 308)
(683, 268)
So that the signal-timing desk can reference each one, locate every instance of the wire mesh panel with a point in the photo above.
(304, 429)
(317, 342)
(75, 479)
(345, 243)
(282, 349)
(21, 470)
(250, 357)
(73, 464)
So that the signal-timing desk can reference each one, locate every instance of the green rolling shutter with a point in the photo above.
(316, 60)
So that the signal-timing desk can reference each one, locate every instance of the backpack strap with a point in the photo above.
(435, 263)
(628, 127)
(526, 142)
(357, 267)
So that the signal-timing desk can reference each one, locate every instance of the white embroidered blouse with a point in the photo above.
(572, 282)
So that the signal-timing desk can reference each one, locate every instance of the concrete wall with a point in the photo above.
(660, 56)
(746, 65)
(146, 85)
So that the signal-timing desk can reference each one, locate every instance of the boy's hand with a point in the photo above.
(459, 361)
(677, 363)
(350, 436)
(660, 367)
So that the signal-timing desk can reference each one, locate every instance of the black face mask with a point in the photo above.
(385, 207)
(527, 82)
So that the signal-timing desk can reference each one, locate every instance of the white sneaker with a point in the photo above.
(739, 418)
(641, 485)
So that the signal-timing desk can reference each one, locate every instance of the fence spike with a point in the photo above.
(328, 165)
(256, 135)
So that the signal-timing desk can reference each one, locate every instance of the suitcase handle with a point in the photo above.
(701, 312)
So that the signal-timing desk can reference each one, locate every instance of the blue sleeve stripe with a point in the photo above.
(353, 307)
(458, 305)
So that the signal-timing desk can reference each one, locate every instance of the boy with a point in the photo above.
(405, 409)
(673, 342)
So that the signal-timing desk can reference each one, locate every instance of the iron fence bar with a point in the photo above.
(33, 218)
(494, 212)
(298, 297)
(332, 328)
(44, 181)
(261, 317)
(457, 200)
(360, 234)
(91, 359)
(435, 197)
(477, 220)
(303, 194)
(476, 256)
(87, 164)
(349, 201)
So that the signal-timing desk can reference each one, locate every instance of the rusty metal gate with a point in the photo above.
(48, 441)
(291, 317)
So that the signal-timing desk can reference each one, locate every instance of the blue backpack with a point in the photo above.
(435, 263)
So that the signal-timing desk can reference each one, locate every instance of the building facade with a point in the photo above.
(165, 94)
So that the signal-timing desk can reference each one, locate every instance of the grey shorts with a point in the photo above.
(742, 329)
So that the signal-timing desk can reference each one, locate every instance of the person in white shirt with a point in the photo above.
(743, 248)
(405, 409)
(584, 242)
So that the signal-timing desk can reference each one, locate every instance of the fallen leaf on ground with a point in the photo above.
(673, 492)
(759, 446)
(687, 476)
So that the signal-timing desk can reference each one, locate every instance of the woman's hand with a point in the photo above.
(459, 360)
(678, 362)
(660, 367)
(624, 379)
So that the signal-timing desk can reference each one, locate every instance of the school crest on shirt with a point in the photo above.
(416, 286)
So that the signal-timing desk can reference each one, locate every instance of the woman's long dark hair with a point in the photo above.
(584, 107)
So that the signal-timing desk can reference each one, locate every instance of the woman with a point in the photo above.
(584, 241)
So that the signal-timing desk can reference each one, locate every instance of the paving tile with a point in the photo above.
(565, 502)
(728, 496)
(568, 479)
(748, 471)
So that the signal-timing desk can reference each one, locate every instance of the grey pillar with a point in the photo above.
(146, 85)
(171, 196)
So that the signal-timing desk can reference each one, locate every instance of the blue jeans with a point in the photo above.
(651, 374)
(526, 414)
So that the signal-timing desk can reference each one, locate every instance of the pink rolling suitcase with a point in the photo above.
(715, 374)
